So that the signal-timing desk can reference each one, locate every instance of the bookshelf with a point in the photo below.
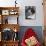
(9, 23)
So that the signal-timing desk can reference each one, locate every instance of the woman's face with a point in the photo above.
(29, 11)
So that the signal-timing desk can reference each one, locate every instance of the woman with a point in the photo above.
(30, 38)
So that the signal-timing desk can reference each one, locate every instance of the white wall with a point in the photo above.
(39, 13)
(22, 3)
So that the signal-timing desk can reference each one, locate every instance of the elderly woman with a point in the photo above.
(30, 38)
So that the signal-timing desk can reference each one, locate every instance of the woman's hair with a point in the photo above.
(32, 9)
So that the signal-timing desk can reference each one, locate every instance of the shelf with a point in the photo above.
(6, 12)
(8, 26)
(11, 41)
(9, 8)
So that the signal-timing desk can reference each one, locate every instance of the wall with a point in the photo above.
(22, 21)
(39, 13)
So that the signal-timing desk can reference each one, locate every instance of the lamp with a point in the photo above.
(15, 3)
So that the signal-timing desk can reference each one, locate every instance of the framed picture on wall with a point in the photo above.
(5, 12)
(30, 12)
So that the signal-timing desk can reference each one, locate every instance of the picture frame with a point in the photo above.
(13, 12)
(5, 12)
(30, 12)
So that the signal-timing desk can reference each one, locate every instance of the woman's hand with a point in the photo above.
(32, 41)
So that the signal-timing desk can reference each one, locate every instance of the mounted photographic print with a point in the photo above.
(30, 12)
(5, 12)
